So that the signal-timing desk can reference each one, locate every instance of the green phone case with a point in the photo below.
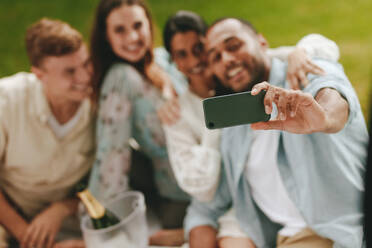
(234, 109)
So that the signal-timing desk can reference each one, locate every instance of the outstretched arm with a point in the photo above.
(300, 112)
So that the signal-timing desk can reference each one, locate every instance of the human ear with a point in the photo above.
(39, 73)
(262, 41)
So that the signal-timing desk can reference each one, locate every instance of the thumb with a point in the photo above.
(269, 125)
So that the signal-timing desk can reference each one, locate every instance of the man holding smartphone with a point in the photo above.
(299, 184)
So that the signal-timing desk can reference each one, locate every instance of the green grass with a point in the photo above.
(282, 22)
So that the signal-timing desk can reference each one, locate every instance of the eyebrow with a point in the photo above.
(118, 25)
(229, 39)
(224, 41)
(69, 70)
(210, 51)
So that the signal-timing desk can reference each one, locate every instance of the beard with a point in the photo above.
(258, 76)
(257, 71)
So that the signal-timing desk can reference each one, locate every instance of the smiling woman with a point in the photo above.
(191, 61)
(129, 87)
(128, 32)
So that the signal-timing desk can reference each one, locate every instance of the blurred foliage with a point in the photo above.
(282, 22)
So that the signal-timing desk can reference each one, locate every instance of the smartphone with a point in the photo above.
(235, 109)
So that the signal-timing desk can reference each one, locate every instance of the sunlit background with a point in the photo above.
(284, 22)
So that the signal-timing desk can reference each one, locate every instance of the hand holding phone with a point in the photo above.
(235, 109)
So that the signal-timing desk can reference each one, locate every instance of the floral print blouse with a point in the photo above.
(127, 109)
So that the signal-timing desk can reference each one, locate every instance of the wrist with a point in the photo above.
(335, 110)
(327, 125)
(19, 230)
(61, 208)
(327, 122)
(331, 125)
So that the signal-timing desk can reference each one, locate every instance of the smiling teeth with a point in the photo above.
(132, 47)
(235, 71)
(80, 87)
(196, 70)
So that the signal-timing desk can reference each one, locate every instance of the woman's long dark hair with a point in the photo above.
(102, 55)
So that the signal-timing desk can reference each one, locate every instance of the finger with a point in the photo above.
(174, 110)
(167, 115)
(293, 82)
(269, 99)
(313, 68)
(50, 240)
(161, 116)
(42, 238)
(27, 237)
(166, 120)
(171, 118)
(302, 100)
(290, 106)
(33, 236)
(159, 112)
(176, 103)
(282, 104)
(174, 93)
(302, 78)
(172, 115)
(258, 87)
(170, 111)
(293, 105)
(175, 117)
(269, 125)
(305, 99)
(276, 101)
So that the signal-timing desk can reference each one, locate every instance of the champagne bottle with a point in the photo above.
(100, 216)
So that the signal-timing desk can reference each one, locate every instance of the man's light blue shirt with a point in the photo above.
(323, 173)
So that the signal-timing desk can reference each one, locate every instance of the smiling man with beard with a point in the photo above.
(300, 184)
(234, 69)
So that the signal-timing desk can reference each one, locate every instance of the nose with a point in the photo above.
(226, 57)
(133, 36)
(193, 61)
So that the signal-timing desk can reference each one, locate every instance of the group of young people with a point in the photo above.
(131, 116)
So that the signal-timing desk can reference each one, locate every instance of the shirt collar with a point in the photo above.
(278, 73)
(39, 104)
(41, 109)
